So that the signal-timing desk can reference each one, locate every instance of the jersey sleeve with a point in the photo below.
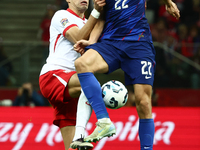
(61, 22)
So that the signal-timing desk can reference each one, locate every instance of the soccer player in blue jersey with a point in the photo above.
(125, 43)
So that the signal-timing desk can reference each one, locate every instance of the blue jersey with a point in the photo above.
(126, 41)
(125, 20)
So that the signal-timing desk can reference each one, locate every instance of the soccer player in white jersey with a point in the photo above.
(58, 79)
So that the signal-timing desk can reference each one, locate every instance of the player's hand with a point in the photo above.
(80, 46)
(98, 4)
(173, 10)
(101, 3)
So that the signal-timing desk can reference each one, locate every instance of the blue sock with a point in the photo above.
(146, 133)
(93, 92)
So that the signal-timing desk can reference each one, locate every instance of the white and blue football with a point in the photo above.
(115, 94)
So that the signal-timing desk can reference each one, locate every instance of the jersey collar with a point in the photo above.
(72, 12)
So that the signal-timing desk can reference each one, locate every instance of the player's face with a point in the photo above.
(81, 5)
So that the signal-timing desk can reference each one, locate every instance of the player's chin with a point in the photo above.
(83, 8)
(84, 5)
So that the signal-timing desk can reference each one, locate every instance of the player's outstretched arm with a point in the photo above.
(172, 8)
(96, 32)
(75, 34)
(94, 36)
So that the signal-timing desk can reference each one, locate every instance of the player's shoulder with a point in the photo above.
(60, 12)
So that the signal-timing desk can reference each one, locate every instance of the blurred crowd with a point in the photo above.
(6, 67)
(179, 36)
(26, 95)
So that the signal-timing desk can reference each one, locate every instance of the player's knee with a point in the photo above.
(143, 104)
(80, 65)
(84, 65)
(143, 99)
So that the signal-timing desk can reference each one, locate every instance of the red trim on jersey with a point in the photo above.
(56, 41)
(72, 12)
(132, 13)
(154, 64)
(72, 25)
(132, 28)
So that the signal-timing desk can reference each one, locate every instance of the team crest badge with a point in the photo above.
(64, 21)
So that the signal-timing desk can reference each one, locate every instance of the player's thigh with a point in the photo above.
(91, 61)
(140, 73)
(74, 87)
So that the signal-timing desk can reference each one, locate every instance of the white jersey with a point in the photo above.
(61, 52)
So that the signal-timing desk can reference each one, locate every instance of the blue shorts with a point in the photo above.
(136, 59)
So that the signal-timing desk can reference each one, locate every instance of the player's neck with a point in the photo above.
(78, 12)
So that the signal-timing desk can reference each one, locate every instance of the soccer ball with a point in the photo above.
(114, 94)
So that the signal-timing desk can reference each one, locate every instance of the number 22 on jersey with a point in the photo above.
(119, 6)
(147, 71)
